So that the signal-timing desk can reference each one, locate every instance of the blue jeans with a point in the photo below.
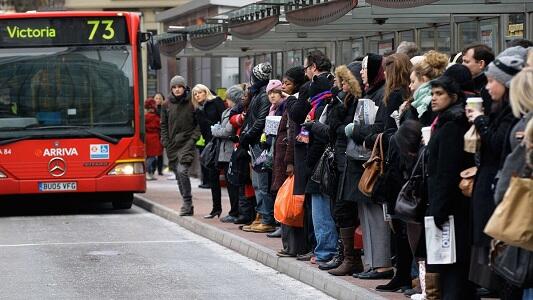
(528, 294)
(261, 184)
(265, 201)
(324, 226)
(150, 164)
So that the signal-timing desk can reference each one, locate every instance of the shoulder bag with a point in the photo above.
(513, 264)
(373, 168)
(512, 220)
(325, 172)
(467, 181)
(410, 204)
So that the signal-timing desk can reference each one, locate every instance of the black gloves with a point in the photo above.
(308, 125)
(440, 220)
(233, 138)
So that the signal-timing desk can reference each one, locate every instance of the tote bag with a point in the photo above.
(512, 220)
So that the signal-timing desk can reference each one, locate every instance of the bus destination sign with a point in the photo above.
(39, 32)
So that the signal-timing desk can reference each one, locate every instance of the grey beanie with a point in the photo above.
(504, 68)
(262, 71)
(235, 93)
(177, 81)
(517, 51)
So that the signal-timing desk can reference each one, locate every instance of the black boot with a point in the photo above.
(187, 210)
(336, 260)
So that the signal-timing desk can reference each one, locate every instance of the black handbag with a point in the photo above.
(411, 202)
(238, 167)
(209, 156)
(325, 173)
(514, 264)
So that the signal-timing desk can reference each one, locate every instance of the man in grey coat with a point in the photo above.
(179, 133)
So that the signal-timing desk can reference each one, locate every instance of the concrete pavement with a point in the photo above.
(162, 198)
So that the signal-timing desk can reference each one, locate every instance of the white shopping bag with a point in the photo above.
(440, 244)
(272, 125)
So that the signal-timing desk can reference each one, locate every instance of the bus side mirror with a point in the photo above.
(154, 57)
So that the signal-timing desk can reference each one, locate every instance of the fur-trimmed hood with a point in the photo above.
(344, 74)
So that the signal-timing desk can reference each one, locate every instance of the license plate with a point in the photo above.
(57, 186)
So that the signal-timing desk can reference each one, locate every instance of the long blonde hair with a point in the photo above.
(201, 88)
(521, 92)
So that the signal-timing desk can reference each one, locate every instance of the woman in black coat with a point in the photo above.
(446, 159)
(492, 129)
(209, 109)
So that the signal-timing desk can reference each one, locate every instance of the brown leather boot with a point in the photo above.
(349, 264)
(256, 222)
(432, 286)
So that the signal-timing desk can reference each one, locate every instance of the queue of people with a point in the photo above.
(378, 147)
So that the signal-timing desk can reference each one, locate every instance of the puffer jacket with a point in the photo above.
(224, 131)
(254, 123)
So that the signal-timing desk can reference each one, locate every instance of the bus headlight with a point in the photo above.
(2, 175)
(127, 168)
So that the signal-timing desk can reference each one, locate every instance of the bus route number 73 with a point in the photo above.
(109, 32)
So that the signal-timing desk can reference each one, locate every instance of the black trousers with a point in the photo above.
(404, 256)
(233, 193)
(309, 230)
(454, 283)
(246, 205)
(214, 183)
(345, 214)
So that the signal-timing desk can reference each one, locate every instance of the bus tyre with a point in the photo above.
(123, 201)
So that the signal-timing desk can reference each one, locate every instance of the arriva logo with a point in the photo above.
(60, 152)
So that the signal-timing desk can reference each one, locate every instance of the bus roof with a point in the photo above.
(53, 14)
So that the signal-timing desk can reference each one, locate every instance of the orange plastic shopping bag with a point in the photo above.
(289, 208)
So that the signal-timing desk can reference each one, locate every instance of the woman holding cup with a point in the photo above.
(492, 128)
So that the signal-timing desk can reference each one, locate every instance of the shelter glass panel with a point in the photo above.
(246, 64)
(358, 49)
(407, 36)
(489, 33)
(294, 58)
(444, 41)
(279, 65)
(515, 27)
(427, 39)
(468, 33)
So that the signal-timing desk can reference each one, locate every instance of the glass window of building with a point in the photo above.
(427, 39)
(373, 44)
(408, 36)
(515, 27)
(246, 64)
(489, 33)
(358, 48)
(278, 65)
(294, 58)
(444, 41)
(467, 33)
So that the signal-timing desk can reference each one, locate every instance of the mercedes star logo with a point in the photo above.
(57, 166)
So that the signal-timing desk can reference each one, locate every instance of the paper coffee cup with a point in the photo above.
(475, 103)
(426, 134)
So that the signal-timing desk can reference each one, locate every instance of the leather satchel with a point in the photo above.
(410, 204)
(512, 220)
(467, 181)
(373, 168)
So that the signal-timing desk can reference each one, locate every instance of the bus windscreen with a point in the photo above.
(41, 32)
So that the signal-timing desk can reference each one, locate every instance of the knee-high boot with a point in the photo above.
(432, 286)
(352, 261)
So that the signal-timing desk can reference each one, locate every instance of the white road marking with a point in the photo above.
(97, 243)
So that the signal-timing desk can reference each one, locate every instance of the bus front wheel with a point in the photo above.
(122, 201)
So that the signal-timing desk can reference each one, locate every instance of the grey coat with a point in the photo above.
(223, 131)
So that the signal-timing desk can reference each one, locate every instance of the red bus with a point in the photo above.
(71, 113)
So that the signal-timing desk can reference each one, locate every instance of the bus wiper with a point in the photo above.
(9, 141)
(97, 134)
